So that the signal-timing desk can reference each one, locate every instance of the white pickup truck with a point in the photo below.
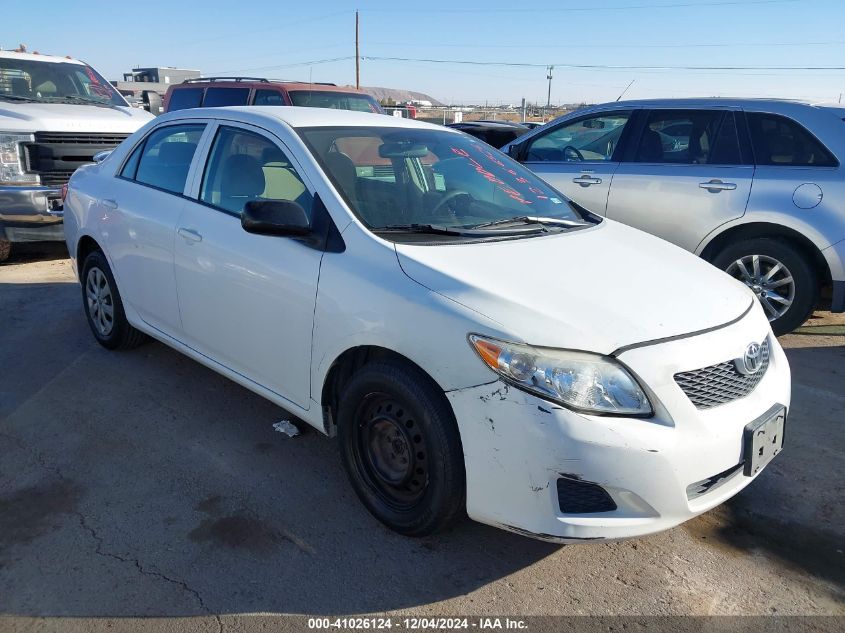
(56, 113)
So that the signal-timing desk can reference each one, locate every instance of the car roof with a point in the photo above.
(300, 117)
(38, 57)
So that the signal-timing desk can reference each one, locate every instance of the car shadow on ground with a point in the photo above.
(141, 483)
(36, 251)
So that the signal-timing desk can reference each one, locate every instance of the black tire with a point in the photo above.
(805, 292)
(5, 250)
(120, 334)
(388, 406)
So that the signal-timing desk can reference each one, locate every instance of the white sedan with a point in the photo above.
(475, 341)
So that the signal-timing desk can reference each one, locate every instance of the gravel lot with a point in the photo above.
(141, 484)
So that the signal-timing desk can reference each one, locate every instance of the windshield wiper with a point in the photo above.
(80, 99)
(433, 229)
(532, 219)
(19, 98)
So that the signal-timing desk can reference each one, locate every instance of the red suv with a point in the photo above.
(229, 91)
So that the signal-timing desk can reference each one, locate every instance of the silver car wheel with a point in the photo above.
(769, 279)
(100, 302)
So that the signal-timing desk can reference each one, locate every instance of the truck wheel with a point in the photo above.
(785, 283)
(103, 306)
(5, 250)
(401, 449)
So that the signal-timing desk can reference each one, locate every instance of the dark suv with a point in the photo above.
(229, 91)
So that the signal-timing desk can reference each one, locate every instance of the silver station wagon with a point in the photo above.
(755, 187)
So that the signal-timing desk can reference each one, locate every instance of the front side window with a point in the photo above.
(217, 97)
(404, 177)
(689, 137)
(778, 140)
(54, 82)
(591, 139)
(244, 166)
(166, 155)
(182, 98)
(334, 100)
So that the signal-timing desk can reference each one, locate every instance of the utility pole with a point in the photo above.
(549, 97)
(357, 56)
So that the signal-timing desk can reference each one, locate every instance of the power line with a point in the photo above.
(593, 9)
(626, 46)
(597, 66)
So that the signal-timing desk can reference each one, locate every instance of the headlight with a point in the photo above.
(11, 163)
(585, 382)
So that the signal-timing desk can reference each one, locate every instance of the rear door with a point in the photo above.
(578, 157)
(141, 215)
(686, 174)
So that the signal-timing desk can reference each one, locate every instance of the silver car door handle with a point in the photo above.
(189, 235)
(586, 181)
(109, 204)
(717, 185)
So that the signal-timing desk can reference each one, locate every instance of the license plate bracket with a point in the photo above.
(763, 439)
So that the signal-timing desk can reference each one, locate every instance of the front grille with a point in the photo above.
(80, 138)
(582, 497)
(718, 384)
(54, 156)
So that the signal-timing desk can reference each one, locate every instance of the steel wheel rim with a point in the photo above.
(769, 279)
(391, 451)
(98, 296)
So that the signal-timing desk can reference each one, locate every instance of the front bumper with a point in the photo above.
(31, 213)
(517, 446)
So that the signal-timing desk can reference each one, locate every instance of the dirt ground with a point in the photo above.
(143, 485)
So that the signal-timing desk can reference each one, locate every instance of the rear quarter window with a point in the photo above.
(182, 98)
(778, 140)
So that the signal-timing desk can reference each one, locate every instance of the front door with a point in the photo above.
(686, 176)
(579, 157)
(246, 300)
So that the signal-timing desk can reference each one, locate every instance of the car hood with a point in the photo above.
(596, 289)
(61, 117)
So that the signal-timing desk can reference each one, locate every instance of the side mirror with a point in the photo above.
(275, 217)
(152, 102)
(99, 157)
(515, 150)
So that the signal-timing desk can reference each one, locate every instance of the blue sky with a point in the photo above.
(276, 39)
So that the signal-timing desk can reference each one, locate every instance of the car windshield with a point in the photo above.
(334, 100)
(54, 82)
(405, 177)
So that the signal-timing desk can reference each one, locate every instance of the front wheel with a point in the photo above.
(401, 449)
(784, 281)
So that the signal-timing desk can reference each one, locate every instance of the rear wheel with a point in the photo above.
(103, 306)
(5, 250)
(784, 281)
(400, 446)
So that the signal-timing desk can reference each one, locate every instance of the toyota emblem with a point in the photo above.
(751, 360)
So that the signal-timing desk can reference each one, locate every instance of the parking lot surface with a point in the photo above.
(143, 485)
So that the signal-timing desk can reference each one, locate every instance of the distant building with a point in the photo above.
(167, 75)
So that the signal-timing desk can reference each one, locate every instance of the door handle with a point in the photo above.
(189, 235)
(586, 181)
(716, 185)
(109, 204)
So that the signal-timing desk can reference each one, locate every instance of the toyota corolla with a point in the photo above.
(476, 342)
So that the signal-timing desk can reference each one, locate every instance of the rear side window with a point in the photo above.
(689, 137)
(166, 156)
(268, 98)
(182, 98)
(334, 100)
(225, 97)
(778, 140)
